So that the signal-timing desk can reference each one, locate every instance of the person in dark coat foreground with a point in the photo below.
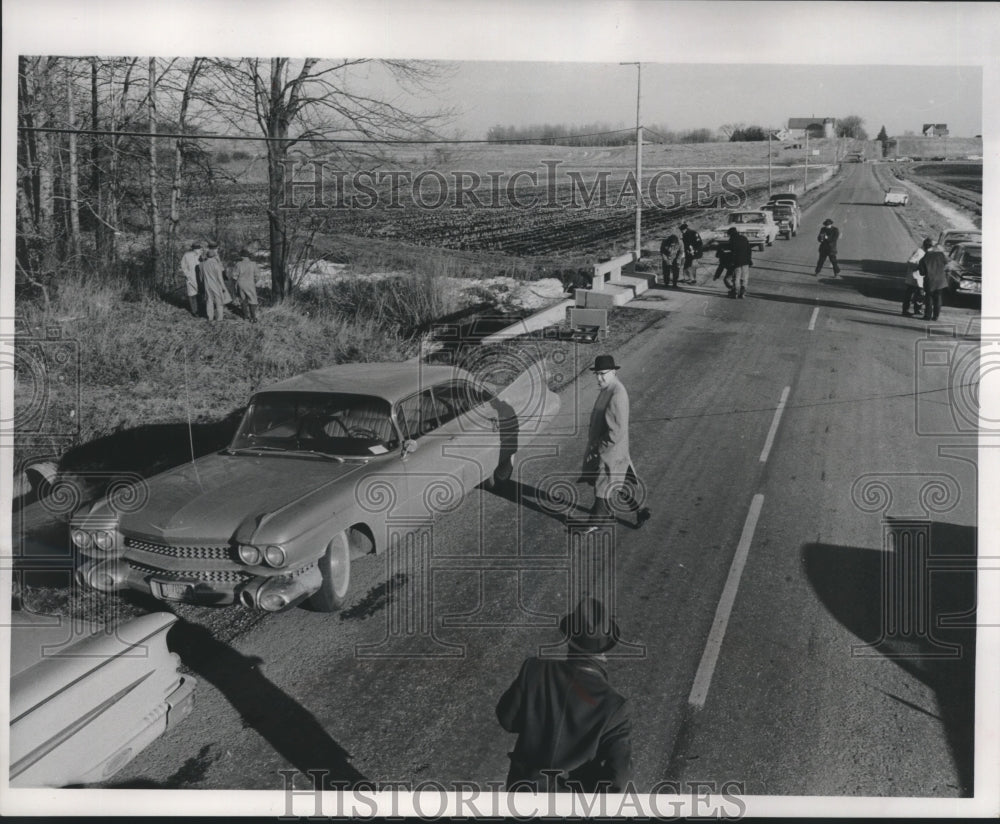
(827, 239)
(574, 731)
(932, 266)
(742, 261)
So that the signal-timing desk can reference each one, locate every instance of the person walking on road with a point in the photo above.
(574, 730)
(827, 239)
(932, 266)
(244, 275)
(693, 248)
(915, 280)
(670, 257)
(742, 261)
(215, 287)
(607, 463)
(725, 269)
(189, 268)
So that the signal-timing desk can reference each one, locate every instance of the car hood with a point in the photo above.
(210, 498)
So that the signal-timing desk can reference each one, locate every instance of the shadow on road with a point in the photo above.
(826, 304)
(290, 729)
(917, 609)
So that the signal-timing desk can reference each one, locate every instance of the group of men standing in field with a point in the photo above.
(210, 286)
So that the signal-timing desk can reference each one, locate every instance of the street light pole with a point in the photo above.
(805, 183)
(638, 160)
(769, 162)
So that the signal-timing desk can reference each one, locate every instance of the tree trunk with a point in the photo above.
(175, 189)
(277, 151)
(154, 209)
(74, 173)
(96, 178)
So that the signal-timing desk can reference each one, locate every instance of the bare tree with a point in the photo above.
(292, 101)
(74, 173)
(852, 126)
(154, 209)
(179, 150)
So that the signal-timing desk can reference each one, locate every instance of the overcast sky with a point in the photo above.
(706, 96)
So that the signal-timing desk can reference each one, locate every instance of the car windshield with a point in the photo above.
(973, 260)
(897, 191)
(321, 423)
(746, 217)
(952, 238)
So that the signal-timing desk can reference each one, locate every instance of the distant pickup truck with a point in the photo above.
(854, 157)
(896, 196)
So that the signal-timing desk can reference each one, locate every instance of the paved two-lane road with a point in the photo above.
(776, 436)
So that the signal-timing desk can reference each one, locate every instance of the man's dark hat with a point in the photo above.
(196, 245)
(733, 230)
(684, 226)
(927, 243)
(244, 253)
(602, 363)
(828, 222)
(213, 245)
(589, 629)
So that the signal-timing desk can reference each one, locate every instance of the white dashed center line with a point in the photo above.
(774, 424)
(709, 658)
(812, 320)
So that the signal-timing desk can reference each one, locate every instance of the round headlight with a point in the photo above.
(274, 556)
(249, 555)
(81, 539)
(272, 601)
(104, 541)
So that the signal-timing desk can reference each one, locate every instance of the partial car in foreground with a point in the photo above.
(322, 468)
(965, 269)
(82, 705)
(896, 196)
(948, 238)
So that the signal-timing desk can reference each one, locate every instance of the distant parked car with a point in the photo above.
(854, 157)
(785, 214)
(757, 226)
(948, 238)
(83, 706)
(896, 196)
(965, 269)
(904, 160)
(320, 468)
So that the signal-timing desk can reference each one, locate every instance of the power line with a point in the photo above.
(362, 140)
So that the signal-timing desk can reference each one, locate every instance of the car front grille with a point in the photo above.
(212, 576)
(201, 553)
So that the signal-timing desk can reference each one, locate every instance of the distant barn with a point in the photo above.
(798, 127)
(935, 130)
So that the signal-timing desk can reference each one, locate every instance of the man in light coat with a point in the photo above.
(607, 463)
(189, 268)
(574, 730)
(215, 287)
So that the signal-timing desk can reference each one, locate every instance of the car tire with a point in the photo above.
(335, 568)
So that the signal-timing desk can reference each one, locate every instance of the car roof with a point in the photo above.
(897, 189)
(779, 195)
(747, 212)
(392, 381)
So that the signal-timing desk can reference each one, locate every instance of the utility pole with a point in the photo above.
(805, 183)
(769, 161)
(638, 160)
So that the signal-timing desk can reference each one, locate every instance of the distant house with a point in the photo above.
(935, 130)
(815, 126)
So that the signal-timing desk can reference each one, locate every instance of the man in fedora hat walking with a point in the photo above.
(574, 731)
(827, 239)
(607, 463)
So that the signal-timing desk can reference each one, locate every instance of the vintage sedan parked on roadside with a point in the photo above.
(757, 226)
(84, 704)
(785, 214)
(965, 269)
(318, 468)
(949, 237)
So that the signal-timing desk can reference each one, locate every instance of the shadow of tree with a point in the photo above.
(930, 635)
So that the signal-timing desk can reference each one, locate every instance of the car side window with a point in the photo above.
(420, 414)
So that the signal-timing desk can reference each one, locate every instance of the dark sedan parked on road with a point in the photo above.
(965, 269)
(318, 466)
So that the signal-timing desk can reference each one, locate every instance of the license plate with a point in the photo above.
(173, 590)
